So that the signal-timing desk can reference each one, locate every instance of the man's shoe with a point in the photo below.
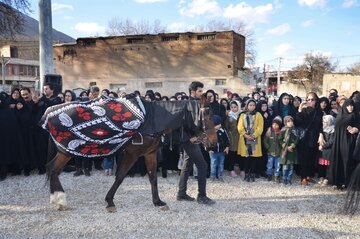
(277, 179)
(78, 173)
(87, 172)
(205, 200)
(42, 171)
(185, 198)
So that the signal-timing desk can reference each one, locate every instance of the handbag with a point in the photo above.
(301, 132)
(182, 158)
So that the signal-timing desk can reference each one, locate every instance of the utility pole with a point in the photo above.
(46, 41)
(278, 77)
(265, 81)
(4, 62)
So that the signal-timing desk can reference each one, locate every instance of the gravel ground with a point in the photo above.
(243, 210)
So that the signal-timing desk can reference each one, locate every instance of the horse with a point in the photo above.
(160, 117)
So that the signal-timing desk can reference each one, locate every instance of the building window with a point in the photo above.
(153, 84)
(135, 40)
(171, 38)
(22, 70)
(14, 70)
(220, 82)
(31, 71)
(14, 52)
(117, 86)
(69, 52)
(206, 37)
(88, 42)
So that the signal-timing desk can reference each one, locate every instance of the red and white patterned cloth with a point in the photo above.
(95, 128)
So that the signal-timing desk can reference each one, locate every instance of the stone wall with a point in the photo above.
(346, 84)
(165, 62)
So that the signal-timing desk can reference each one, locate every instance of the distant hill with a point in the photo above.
(31, 32)
(27, 42)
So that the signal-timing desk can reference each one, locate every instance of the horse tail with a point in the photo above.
(352, 198)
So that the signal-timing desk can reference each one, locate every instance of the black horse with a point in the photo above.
(160, 117)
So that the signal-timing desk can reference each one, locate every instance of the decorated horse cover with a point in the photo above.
(95, 128)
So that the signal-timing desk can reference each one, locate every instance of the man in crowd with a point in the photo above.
(195, 156)
(42, 136)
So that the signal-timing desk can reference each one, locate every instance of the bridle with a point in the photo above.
(203, 137)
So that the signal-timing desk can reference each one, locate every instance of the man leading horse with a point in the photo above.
(195, 157)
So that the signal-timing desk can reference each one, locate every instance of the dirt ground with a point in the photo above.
(243, 210)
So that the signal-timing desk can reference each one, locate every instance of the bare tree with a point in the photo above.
(238, 27)
(120, 27)
(310, 74)
(11, 16)
(355, 68)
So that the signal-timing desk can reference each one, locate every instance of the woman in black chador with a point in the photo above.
(341, 156)
(10, 139)
(309, 118)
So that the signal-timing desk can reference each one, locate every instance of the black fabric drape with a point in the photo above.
(341, 156)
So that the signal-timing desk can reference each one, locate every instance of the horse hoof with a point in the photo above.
(111, 209)
(160, 204)
(164, 208)
(61, 207)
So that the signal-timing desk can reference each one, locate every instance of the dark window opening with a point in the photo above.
(220, 82)
(174, 38)
(206, 37)
(135, 40)
(69, 52)
(14, 52)
(89, 42)
(153, 84)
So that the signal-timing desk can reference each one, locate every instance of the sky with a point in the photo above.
(286, 29)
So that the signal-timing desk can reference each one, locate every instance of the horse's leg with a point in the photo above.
(122, 168)
(151, 166)
(57, 194)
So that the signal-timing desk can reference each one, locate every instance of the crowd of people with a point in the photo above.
(258, 136)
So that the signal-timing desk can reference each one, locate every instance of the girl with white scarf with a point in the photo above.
(231, 127)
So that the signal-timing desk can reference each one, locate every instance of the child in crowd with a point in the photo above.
(231, 127)
(108, 164)
(272, 144)
(288, 141)
(250, 128)
(217, 153)
(324, 162)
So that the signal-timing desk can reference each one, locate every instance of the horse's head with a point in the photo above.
(208, 137)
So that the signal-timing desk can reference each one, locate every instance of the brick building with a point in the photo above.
(18, 66)
(164, 62)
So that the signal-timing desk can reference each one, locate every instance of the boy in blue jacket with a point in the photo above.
(218, 152)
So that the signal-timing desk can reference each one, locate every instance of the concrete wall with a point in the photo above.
(113, 61)
(293, 89)
(346, 84)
